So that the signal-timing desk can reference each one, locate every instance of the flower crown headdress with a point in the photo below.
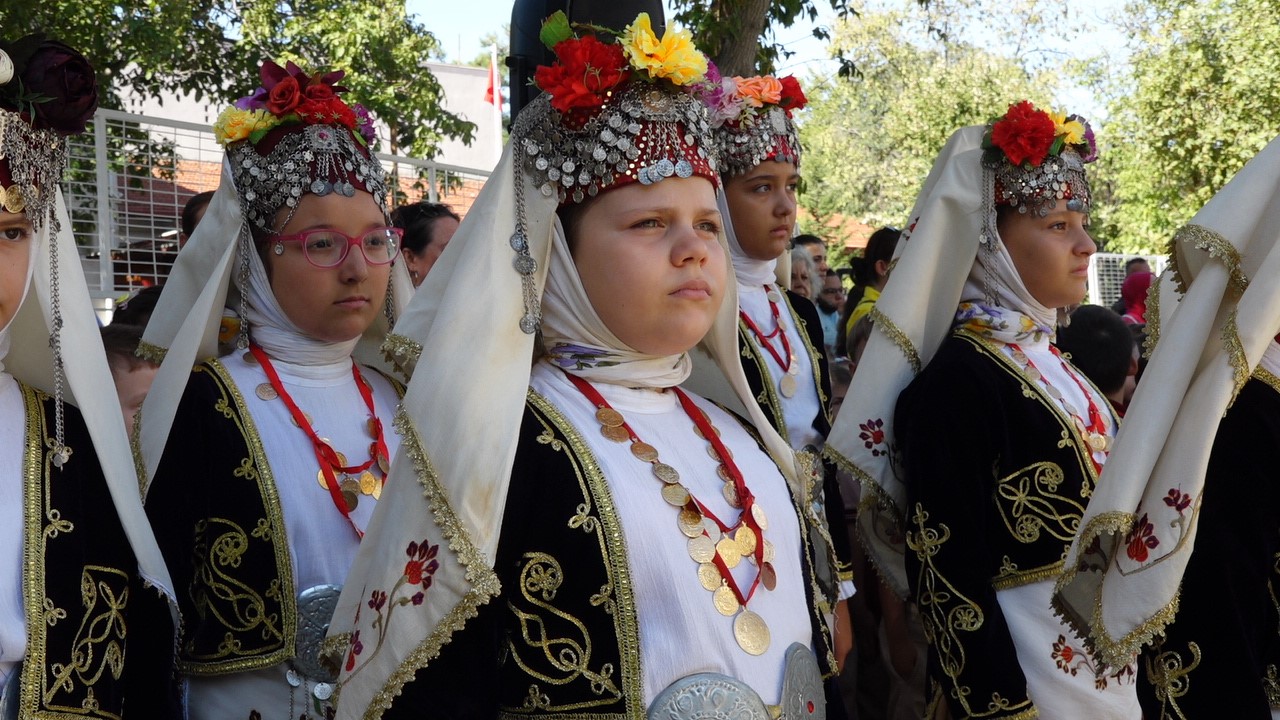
(47, 92)
(753, 118)
(1038, 158)
(615, 112)
(295, 135)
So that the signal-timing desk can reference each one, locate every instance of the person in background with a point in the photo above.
(1101, 345)
(427, 228)
(1134, 294)
(870, 273)
(804, 275)
(192, 214)
(979, 445)
(1131, 266)
(132, 374)
(85, 630)
(816, 247)
(830, 301)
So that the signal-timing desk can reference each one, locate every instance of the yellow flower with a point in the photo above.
(1073, 130)
(236, 124)
(673, 57)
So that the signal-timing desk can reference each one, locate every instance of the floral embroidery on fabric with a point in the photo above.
(1141, 539)
(872, 435)
(999, 323)
(419, 574)
(579, 357)
(1177, 500)
(1071, 660)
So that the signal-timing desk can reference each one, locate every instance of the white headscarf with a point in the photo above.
(939, 261)
(1210, 340)
(460, 421)
(88, 378)
(183, 330)
(6, 339)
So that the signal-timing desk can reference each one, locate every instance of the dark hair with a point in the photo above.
(1128, 264)
(120, 341)
(808, 240)
(191, 209)
(137, 309)
(417, 219)
(1100, 345)
(880, 246)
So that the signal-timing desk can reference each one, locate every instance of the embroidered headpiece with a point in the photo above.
(47, 92)
(753, 119)
(615, 113)
(1038, 158)
(296, 135)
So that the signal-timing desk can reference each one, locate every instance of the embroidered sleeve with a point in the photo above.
(950, 564)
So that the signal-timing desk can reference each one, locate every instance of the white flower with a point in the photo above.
(6, 68)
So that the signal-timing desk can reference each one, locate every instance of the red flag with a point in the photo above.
(493, 94)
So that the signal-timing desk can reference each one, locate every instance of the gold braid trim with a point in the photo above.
(1235, 355)
(402, 352)
(1109, 651)
(1216, 246)
(483, 580)
(882, 322)
(1153, 318)
(1265, 376)
(153, 353)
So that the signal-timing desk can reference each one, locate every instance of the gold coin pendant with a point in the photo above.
(768, 576)
(645, 452)
(616, 433)
(709, 575)
(757, 512)
(666, 473)
(746, 540)
(787, 385)
(609, 416)
(751, 632)
(367, 482)
(727, 549)
(702, 549)
(690, 522)
(266, 392)
(725, 601)
(676, 495)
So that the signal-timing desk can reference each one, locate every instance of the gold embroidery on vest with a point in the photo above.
(219, 547)
(1168, 677)
(98, 648)
(1029, 504)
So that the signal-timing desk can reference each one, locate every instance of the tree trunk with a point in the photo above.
(741, 45)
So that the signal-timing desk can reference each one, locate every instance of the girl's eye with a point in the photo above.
(648, 223)
(761, 189)
(710, 227)
(15, 234)
(792, 187)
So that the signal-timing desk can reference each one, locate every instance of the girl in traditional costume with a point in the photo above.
(85, 629)
(977, 441)
(1186, 519)
(581, 537)
(779, 331)
(279, 451)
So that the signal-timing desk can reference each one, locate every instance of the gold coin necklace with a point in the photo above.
(1095, 432)
(716, 556)
(357, 480)
(785, 359)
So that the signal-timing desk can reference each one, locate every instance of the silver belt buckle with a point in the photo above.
(712, 696)
(315, 610)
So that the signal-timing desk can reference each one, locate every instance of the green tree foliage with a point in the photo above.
(731, 31)
(212, 48)
(1202, 98)
(870, 141)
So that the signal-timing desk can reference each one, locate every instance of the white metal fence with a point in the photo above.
(1106, 274)
(131, 176)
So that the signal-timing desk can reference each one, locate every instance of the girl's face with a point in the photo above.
(16, 240)
(1050, 253)
(762, 205)
(331, 304)
(651, 262)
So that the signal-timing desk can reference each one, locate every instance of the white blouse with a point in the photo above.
(681, 632)
(13, 433)
(799, 410)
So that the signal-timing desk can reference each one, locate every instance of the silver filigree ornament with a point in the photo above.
(317, 159)
(757, 136)
(1039, 189)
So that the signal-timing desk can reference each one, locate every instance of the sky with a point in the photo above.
(459, 32)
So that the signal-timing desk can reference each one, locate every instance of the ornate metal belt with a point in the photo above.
(315, 610)
(712, 696)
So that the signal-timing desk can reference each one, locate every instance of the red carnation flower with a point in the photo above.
(327, 112)
(1024, 134)
(792, 96)
(585, 70)
(284, 97)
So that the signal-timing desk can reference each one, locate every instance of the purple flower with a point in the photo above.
(66, 84)
(570, 356)
(251, 102)
(364, 125)
(1092, 153)
(720, 95)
